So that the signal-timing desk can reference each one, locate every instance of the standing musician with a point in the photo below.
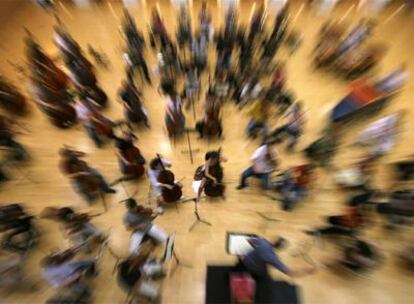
(97, 125)
(134, 110)
(174, 117)
(256, 25)
(209, 177)
(264, 162)
(136, 274)
(206, 29)
(131, 161)
(88, 181)
(139, 220)
(184, 33)
(163, 183)
(211, 124)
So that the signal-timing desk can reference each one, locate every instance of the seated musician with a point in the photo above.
(255, 262)
(60, 271)
(7, 140)
(139, 220)
(123, 144)
(92, 120)
(293, 127)
(206, 173)
(78, 170)
(15, 222)
(133, 108)
(347, 224)
(294, 185)
(154, 170)
(211, 124)
(259, 114)
(393, 80)
(360, 256)
(76, 225)
(137, 273)
(264, 162)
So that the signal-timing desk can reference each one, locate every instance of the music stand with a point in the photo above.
(170, 254)
(190, 150)
(198, 218)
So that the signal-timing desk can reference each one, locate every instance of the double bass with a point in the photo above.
(212, 188)
(168, 178)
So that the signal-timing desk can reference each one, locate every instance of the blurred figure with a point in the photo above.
(184, 33)
(293, 185)
(174, 116)
(199, 49)
(206, 28)
(192, 86)
(380, 136)
(355, 37)
(293, 127)
(259, 114)
(360, 256)
(394, 80)
(264, 162)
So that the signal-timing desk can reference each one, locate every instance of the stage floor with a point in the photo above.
(41, 184)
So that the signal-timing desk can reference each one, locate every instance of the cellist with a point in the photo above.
(88, 181)
(131, 161)
(211, 174)
(135, 112)
(156, 167)
(174, 116)
(97, 125)
(210, 125)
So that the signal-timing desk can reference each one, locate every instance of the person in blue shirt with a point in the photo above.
(255, 262)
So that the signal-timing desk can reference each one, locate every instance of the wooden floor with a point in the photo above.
(44, 185)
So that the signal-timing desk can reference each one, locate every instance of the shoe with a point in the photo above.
(239, 187)
(111, 190)
(311, 232)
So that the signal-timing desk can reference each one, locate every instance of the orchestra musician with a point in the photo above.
(264, 162)
(211, 124)
(77, 226)
(96, 125)
(88, 181)
(163, 186)
(16, 150)
(15, 222)
(60, 271)
(139, 220)
(136, 274)
(209, 177)
(134, 110)
(174, 118)
(131, 161)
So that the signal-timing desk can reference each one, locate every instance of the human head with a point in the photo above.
(131, 203)
(155, 164)
(280, 243)
(212, 156)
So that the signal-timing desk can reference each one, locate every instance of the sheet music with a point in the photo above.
(238, 244)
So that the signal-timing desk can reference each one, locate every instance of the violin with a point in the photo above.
(168, 178)
(212, 188)
(11, 99)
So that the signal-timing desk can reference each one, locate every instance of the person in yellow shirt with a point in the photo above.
(259, 114)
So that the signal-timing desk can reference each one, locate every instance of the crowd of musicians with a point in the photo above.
(249, 73)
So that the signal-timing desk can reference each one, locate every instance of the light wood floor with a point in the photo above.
(206, 245)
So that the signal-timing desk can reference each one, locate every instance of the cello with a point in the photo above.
(212, 121)
(132, 161)
(168, 178)
(212, 188)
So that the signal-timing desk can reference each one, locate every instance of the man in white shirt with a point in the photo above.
(263, 164)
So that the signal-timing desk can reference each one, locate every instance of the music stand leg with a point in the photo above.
(198, 219)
